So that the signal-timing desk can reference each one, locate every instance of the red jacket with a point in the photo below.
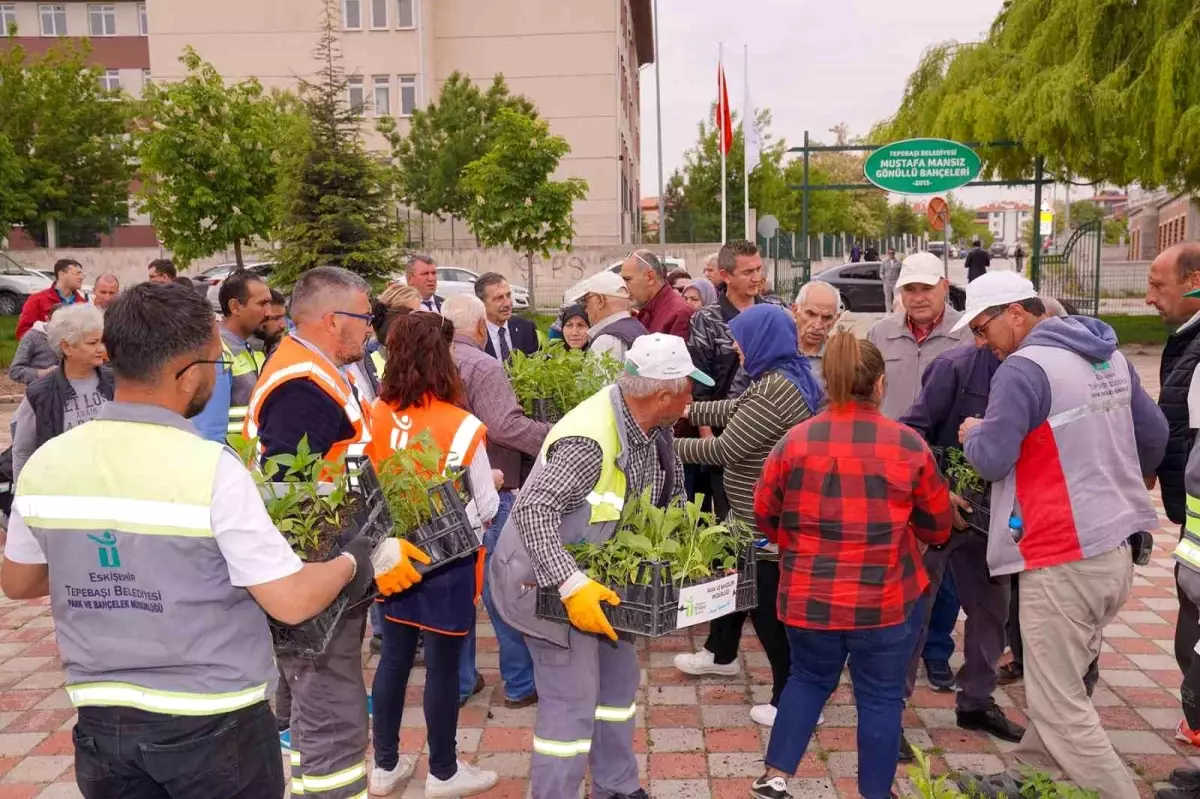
(37, 308)
(667, 312)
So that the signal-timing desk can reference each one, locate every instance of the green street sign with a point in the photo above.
(922, 166)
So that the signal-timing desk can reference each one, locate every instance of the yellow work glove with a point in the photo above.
(394, 571)
(583, 608)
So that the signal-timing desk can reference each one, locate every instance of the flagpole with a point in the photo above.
(747, 119)
(662, 198)
(724, 92)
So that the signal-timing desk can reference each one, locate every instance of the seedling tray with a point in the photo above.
(654, 606)
(546, 410)
(372, 519)
(980, 517)
(449, 534)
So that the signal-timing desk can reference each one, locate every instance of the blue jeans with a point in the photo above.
(938, 643)
(516, 666)
(878, 667)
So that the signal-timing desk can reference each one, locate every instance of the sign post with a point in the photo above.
(938, 214)
(922, 166)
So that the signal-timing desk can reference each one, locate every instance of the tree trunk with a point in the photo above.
(237, 252)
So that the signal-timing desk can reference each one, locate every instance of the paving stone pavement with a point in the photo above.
(694, 737)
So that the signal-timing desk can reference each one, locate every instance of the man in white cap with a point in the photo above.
(910, 340)
(605, 300)
(1068, 436)
(607, 451)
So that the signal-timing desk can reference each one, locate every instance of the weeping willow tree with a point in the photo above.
(1105, 89)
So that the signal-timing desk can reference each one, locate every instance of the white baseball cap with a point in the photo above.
(992, 289)
(921, 267)
(604, 282)
(662, 357)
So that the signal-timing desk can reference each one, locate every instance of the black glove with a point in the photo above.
(363, 583)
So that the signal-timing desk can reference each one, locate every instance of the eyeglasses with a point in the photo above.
(978, 331)
(365, 317)
(221, 362)
(645, 263)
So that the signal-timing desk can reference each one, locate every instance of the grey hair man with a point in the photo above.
(421, 274)
(817, 308)
(661, 309)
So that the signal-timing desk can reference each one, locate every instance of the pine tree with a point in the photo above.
(335, 201)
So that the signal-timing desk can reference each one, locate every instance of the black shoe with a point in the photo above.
(1011, 673)
(992, 721)
(773, 788)
(478, 687)
(906, 754)
(640, 793)
(939, 675)
(529, 701)
(1186, 778)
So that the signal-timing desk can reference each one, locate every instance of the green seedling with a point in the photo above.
(563, 377)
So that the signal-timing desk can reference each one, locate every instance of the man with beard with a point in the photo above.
(245, 301)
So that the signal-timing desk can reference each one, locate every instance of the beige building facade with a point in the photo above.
(576, 60)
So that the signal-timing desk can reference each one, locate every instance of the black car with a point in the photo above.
(998, 250)
(861, 287)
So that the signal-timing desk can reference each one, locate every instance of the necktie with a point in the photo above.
(429, 306)
(505, 350)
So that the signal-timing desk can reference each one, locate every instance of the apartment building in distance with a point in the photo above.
(118, 33)
(577, 60)
(1005, 219)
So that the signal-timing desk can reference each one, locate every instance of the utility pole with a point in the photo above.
(662, 199)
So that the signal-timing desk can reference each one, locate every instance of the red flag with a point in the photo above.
(724, 117)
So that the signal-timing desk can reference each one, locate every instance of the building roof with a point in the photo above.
(1007, 205)
(648, 204)
(643, 31)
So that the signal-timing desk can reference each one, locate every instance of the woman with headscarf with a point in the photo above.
(699, 293)
(783, 392)
(573, 324)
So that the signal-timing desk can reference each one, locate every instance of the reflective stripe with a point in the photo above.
(1188, 551)
(562, 748)
(606, 713)
(1193, 504)
(118, 694)
(295, 758)
(307, 369)
(339, 779)
(607, 498)
(298, 786)
(1191, 525)
(145, 516)
(463, 437)
(1075, 414)
(238, 411)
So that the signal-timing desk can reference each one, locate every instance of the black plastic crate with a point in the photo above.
(449, 534)
(372, 519)
(546, 410)
(980, 517)
(650, 607)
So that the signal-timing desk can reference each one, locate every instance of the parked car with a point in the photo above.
(17, 282)
(456, 280)
(998, 249)
(862, 288)
(208, 282)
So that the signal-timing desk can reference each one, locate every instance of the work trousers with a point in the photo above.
(587, 700)
(329, 715)
(725, 633)
(1064, 608)
(1090, 677)
(986, 604)
(122, 753)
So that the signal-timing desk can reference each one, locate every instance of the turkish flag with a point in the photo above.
(724, 117)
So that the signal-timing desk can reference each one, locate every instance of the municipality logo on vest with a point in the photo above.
(107, 551)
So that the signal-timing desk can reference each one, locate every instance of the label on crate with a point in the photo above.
(707, 601)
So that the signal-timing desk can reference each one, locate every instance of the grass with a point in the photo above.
(1146, 329)
(8, 340)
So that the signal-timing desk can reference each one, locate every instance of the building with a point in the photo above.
(649, 209)
(1004, 219)
(1160, 219)
(577, 60)
(1113, 202)
(118, 33)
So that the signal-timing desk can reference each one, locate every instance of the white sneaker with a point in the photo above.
(466, 781)
(764, 715)
(383, 782)
(700, 663)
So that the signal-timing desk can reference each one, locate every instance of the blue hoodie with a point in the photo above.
(1020, 399)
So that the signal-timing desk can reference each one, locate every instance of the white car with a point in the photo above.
(208, 282)
(456, 280)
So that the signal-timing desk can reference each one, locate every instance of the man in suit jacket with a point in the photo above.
(421, 274)
(505, 331)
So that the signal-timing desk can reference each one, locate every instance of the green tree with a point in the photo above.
(446, 136)
(1084, 211)
(334, 199)
(208, 157)
(1106, 90)
(14, 202)
(68, 138)
(1115, 230)
(680, 221)
(514, 200)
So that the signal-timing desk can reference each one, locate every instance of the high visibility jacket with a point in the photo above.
(245, 366)
(596, 418)
(145, 614)
(379, 360)
(294, 361)
(444, 602)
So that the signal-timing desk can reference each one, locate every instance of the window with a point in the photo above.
(111, 80)
(143, 20)
(383, 96)
(379, 14)
(146, 81)
(102, 20)
(8, 18)
(356, 99)
(408, 94)
(54, 20)
(406, 14)
(352, 14)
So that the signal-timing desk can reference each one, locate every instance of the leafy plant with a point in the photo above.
(407, 476)
(310, 511)
(565, 377)
(681, 535)
(1033, 784)
(962, 475)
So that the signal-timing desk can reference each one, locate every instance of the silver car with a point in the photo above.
(456, 280)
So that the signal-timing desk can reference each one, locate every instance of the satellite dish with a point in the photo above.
(768, 226)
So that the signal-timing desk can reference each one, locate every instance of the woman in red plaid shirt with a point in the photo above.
(848, 495)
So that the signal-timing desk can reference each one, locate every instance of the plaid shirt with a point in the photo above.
(846, 495)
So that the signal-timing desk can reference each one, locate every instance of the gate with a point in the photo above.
(1074, 274)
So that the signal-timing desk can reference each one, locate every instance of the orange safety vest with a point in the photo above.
(457, 433)
(294, 361)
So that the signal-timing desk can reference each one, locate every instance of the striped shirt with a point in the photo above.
(754, 423)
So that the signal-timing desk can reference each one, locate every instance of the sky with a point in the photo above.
(813, 63)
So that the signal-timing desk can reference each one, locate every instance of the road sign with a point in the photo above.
(1046, 220)
(768, 226)
(922, 166)
(937, 212)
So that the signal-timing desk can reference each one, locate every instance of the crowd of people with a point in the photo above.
(834, 450)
